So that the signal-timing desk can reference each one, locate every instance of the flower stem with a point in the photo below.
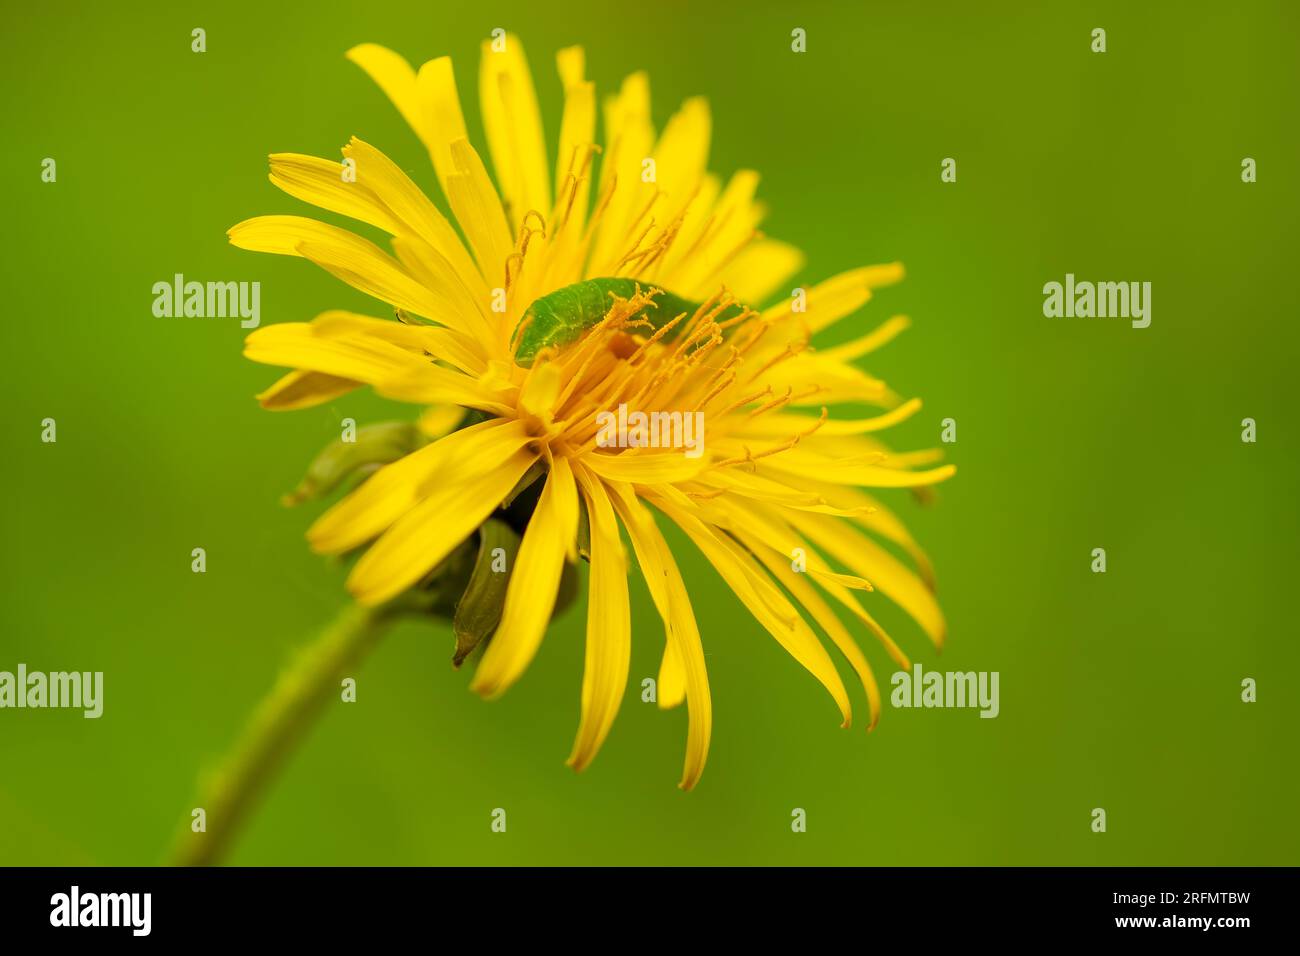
(278, 724)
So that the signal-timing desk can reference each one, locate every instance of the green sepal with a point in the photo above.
(535, 471)
(478, 611)
(375, 445)
(567, 592)
(584, 532)
(440, 590)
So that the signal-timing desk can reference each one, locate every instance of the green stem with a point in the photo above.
(279, 723)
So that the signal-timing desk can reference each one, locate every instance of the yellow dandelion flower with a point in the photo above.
(494, 315)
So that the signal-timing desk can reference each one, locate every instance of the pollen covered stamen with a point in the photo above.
(750, 457)
(727, 379)
(790, 351)
(658, 249)
(654, 339)
(748, 399)
(526, 233)
(774, 403)
(573, 181)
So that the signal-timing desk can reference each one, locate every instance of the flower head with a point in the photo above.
(606, 332)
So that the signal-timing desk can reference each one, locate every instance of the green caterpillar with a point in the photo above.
(560, 317)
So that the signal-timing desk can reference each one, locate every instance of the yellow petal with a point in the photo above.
(358, 357)
(795, 517)
(664, 581)
(478, 210)
(697, 219)
(849, 472)
(414, 212)
(762, 268)
(884, 523)
(629, 137)
(566, 507)
(394, 76)
(436, 86)
(377, 274)
(671, 687)
(445, 345)
(769, 607)
(792, 424)
(735, 219)
(829, 301)
(817, 381)
(647, 469)
(577, 134)
(513, 124)
(869, 513)
(415, 338)
(397, 488)
(609, 626)
(282, 235)
(433, 385)
(301, 389)
(456, 308)
(873, 340)
(321, 183)
(850, 600)
(865, 557)
(762, 525)
(533, 583)
(391, 356)
(358, 262)
(437, 421)
(540, 390)
(571, 63)
(681, 157)
(426, 534)
(807, 595)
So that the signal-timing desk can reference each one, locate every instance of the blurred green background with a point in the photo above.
(1119, 691)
